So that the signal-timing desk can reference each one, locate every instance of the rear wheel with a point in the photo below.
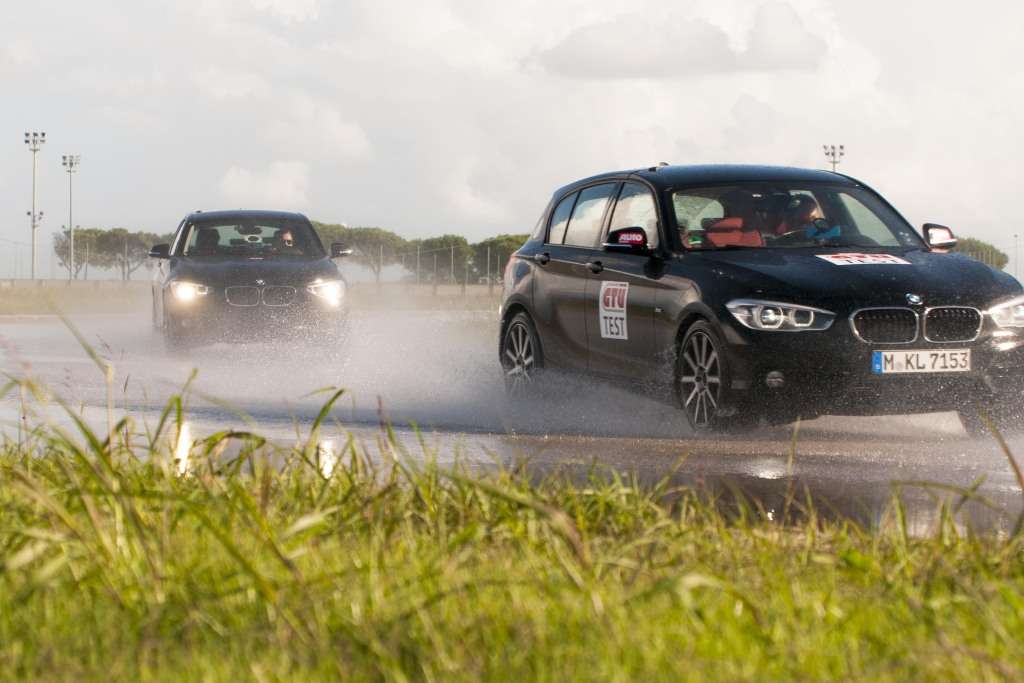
(521, 357)
(703, 383)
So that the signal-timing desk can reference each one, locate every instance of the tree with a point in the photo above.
(86, 253)
(982, 251)
(373, 248)
(125, 251)
(109, 249)
(453, 254)
(501, 248)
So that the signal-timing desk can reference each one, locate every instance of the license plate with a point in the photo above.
(920, 361)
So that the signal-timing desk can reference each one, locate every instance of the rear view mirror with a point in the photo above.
(939, 237)
(160, 251)
(627, 240)
(339, 249)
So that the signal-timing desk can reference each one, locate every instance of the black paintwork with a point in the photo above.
(672, 287)
(212, 317)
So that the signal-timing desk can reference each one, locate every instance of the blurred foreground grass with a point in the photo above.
(152, 557)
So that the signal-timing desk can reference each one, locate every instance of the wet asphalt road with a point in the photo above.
(437, 372)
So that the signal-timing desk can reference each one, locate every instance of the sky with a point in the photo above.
(463, 116)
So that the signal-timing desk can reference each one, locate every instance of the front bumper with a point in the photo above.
(831, 372)
(212, 317)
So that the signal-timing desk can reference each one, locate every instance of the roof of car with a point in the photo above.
(674, 176)
(242, 213)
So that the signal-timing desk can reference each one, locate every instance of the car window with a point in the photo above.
(585, 225)
(868, 224)
(779, 215)
(635, 209)
(251, 239)
(694, 211)
(560, 219)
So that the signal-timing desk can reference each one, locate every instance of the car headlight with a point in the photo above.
(188, 291)
(1009, 313)
(775, 316)
(332, 291)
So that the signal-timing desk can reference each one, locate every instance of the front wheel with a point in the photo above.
(521, 356)
(703, 383)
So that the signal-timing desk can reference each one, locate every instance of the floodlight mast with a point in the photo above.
(70, 163)
(834, 154)
(34, 141)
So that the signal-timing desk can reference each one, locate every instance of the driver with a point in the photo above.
(284, 241)
(804, 215)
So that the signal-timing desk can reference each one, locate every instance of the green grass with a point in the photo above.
(255, 564)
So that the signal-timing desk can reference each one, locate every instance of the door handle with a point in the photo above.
(595, 266)
(542, 258)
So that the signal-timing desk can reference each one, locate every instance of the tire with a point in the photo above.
(177, 341)
(521, 357)
(703, 381)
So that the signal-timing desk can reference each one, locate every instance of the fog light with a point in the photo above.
(775, 379)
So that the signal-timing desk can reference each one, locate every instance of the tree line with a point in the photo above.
(446, 258)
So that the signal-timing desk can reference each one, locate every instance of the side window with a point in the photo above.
(636, 209)
(585, 224)
(560, 219)
(867, 222)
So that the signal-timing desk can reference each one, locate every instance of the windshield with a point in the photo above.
(256, 238)
(776, 215)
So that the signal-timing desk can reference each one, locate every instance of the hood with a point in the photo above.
(791, 274)
(228, 272)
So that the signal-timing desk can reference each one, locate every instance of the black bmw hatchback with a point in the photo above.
(246, 275)
(750, 293)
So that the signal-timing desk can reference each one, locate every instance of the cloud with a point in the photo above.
(282, 185)
(641, 45)
(319, 129)
(220, 83)
(779, 39)
(657, 46)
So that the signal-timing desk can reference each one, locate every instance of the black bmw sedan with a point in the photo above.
(750, 293)
(244, 275)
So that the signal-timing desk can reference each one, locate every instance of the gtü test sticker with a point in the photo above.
(612, 310)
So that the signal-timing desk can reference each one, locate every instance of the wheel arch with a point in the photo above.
(510, 311)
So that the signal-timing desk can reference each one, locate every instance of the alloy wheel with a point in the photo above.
(518, 357)
(701, 379)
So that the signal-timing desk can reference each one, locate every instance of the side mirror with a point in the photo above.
(339, 249)
(939, 237)
(627, 241)
(160, 251)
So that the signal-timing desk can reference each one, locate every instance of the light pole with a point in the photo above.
(834, 154)
(1016, 255)
(70, 163)
(35, 142)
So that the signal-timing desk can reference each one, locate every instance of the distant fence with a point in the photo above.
(73, 284)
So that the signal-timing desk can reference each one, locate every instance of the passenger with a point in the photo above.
(207, 242)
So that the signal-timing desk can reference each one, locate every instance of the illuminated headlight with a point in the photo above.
(1009, 313)
(188, 291)
(332, 291)
(772, 315)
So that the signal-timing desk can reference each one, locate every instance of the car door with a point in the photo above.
(622, 292)
(559, 288)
